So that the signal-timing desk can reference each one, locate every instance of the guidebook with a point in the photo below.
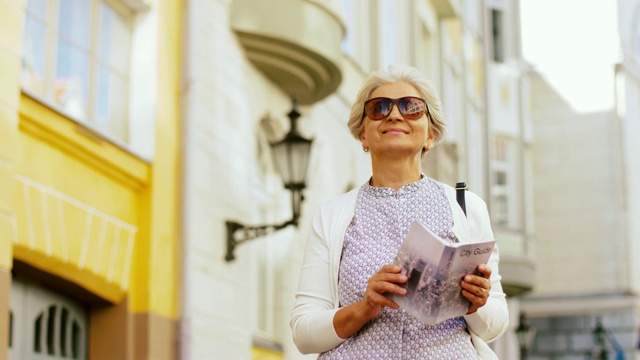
(435, 269)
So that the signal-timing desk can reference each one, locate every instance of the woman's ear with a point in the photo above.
(429, 141)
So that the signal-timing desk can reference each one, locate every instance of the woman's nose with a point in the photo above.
(395, 113)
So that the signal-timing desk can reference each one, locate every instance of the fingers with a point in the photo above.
(477, 288)
(389, 273)
(476, 294)
(484, 271)
(375, 299)
(387, 280)
(390, 268)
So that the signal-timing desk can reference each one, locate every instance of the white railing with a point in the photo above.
(50, 217)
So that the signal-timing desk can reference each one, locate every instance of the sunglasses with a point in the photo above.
(410, 107)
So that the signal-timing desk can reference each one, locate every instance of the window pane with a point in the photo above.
(74, 21)
(348, 43)
(33, 57)
(111, 109)
(37, 7)
(387, 33)
(51, 331)
(72, 80)
(76, 338)
(10, 329)
(496, 31)
(114, 39)
(64, 318)
(37, 334)
(500, 210)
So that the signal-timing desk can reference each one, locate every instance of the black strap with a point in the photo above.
(461, 187)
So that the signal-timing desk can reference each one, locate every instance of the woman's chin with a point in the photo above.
(398, 151)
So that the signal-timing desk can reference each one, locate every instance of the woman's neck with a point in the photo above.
(395, 173)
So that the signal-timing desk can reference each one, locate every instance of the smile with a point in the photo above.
(394, 130)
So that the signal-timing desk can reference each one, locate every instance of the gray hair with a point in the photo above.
(395, 74)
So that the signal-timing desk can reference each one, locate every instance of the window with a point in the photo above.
(636, 35)
(388, 32)
(76, 59)
(504, 188)
(10, 329)
(426, 54)
(48, 325)
(497, 34)
(61, 327)
(349, 41)
(357, 41)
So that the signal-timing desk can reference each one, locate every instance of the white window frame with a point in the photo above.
(508, 218)
(636, 37)
(141, 79)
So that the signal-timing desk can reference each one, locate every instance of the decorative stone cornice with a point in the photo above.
(295, 43)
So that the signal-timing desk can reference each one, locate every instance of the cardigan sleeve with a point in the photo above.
(492, 319)
(312, 315)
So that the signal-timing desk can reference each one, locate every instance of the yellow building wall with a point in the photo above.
(10, 62)
(157, 278)
(77, 202)
(81, 207)
(260, 353)
(74, 205)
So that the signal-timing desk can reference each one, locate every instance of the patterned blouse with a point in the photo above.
(381, 221)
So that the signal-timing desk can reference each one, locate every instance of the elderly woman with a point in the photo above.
(341, 310)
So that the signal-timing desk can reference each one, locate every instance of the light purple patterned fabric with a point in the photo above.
(381, 220)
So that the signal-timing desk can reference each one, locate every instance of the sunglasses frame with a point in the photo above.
(395, 102)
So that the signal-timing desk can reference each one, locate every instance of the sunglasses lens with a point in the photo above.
(378, 108)
(411, 107)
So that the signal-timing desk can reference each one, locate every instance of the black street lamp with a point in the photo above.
(292, 159)
(599, 351)
(526, 334)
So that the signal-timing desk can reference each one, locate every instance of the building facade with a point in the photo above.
(585, 302)
(89, 253)
(134, 130)
(241, 72)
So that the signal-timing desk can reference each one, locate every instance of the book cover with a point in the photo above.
(435, 269)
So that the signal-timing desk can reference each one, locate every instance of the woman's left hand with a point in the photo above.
(476, 288)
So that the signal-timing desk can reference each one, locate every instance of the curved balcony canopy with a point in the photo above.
(295, 43)
(517, 274)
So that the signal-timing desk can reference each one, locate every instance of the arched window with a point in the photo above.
(47, 325)
(58, 333)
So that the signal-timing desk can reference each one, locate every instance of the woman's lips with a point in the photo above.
(394, 130)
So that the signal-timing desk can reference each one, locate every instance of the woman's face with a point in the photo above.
(395, 135)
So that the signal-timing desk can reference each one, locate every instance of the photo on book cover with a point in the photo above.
(435, 269)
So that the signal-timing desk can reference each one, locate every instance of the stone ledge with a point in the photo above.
(297, 46)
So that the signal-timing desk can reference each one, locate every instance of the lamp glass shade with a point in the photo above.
(292, 159)
(525, 334)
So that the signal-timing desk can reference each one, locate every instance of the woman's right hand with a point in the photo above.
(387, 280)
(348, 320)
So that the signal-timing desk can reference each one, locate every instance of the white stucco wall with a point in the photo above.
(579, 227)
(228, 177)
(628, 93)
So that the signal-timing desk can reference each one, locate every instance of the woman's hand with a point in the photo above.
(476, 288)
(348, 320)
(386, 280)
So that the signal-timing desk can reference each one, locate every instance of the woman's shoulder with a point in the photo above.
(340, 201)
(336, 211)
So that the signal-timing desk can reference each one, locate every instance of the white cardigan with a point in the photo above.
(317, 297)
